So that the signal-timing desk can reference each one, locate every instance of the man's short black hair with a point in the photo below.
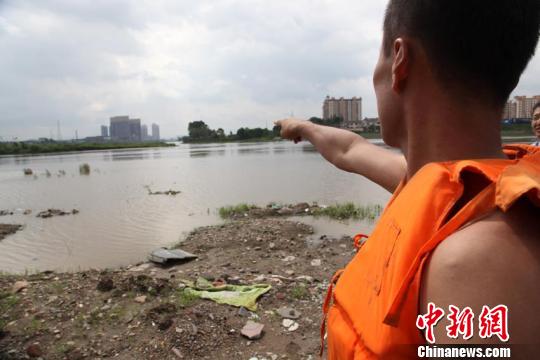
(536, 106)
(478, 45)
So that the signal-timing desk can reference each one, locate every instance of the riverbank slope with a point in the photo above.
(144, 312)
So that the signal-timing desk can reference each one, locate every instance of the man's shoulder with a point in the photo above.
(495, 239)
(495, 260)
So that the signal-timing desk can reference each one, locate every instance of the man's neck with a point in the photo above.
(453, 133)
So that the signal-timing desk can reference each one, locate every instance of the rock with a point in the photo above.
(280, 296)
(141, 267)
(305, 278)
(19, 286)
(252, 330)
(316, 262)
(105, 284)
(285, 211)
(177, 353)
(289, 324)
(242, 311)
(140, 299)
(288, 313)
(288, 258)
(34, 351)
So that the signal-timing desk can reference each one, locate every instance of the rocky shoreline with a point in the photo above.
(144, 312)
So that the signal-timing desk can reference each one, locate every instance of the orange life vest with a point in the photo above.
(372, 311)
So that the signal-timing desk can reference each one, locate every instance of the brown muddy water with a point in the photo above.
(119, 223)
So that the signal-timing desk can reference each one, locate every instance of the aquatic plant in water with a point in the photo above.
(84, 169)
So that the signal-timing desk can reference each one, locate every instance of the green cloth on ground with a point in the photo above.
(236, 295)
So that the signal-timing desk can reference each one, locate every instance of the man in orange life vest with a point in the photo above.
(462, 226)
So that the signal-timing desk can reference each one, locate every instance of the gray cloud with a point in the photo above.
(231, 63)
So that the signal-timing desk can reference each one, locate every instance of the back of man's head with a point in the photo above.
(477, 47)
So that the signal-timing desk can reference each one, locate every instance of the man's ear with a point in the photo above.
(400, 65)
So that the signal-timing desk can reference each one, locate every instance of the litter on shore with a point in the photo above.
(164, 256)
(236, 295)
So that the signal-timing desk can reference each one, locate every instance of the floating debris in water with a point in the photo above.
(166, 192)
(55, 212)
(8, 229)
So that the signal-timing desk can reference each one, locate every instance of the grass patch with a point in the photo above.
(349, 211)
(186, 299)
(226, 212)
(35, 326)
(56, 288)
(299, 292)
(7, 301)
(64, 348)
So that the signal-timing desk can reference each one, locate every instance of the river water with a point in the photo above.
(119, 223)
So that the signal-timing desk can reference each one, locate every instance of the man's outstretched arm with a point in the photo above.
(349, 151)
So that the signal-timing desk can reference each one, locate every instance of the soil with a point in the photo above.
(141, 312)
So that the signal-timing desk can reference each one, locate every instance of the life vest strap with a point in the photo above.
(326, 306)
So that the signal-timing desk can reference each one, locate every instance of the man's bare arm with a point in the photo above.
(349, 151)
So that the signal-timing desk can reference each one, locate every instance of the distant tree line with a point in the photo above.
(200, 132)
(51, 146)
(334, 121)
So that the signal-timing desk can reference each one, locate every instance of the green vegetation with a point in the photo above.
(509, 130)
(349, 211)
(369, 135)
(199, 132)
(338, 211)
(64, 348)
(299, 292)
(35, 326)
(334, 121)
(7, 301)
(227, 212)
(15, 148)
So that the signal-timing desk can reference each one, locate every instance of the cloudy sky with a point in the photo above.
(231, 63)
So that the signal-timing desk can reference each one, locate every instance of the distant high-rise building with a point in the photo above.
(144, 132)
(155, 132)
(520, 108)
(104, 131)
(125, 129)
(350, 110)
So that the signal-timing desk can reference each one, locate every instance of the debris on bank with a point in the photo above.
(144, 311)
(55, 212)
(166, 256)
(8, 229)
